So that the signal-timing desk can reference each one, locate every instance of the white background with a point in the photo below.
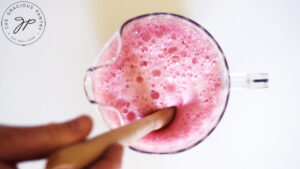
(43, 82)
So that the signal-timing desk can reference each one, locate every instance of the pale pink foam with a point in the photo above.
(165, 62)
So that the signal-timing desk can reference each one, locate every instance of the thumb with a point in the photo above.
(25, 143)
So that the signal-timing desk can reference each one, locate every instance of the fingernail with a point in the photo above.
(79, 124)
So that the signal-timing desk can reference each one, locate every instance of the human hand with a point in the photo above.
(19, 144)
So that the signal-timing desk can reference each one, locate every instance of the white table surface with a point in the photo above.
(43, 82)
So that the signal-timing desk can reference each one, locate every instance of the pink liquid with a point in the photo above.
(165, 61)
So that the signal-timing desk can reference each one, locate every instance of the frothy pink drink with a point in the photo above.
(164, 61)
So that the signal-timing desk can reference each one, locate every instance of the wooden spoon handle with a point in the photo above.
(81, 154)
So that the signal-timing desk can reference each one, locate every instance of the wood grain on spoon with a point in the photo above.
(81, 154)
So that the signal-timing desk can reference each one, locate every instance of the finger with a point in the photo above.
(111, 159)
(5, 166)
(24, 143)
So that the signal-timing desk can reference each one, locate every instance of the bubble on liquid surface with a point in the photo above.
(125, 111)
(143, 64)
(145, 37)
(139, 79)
(131, 116)
(154, 94)
(172, 49)
(194, 60)
(159, 33)
(173, 36)
(144, 49)
(175, 59)
(156, 73)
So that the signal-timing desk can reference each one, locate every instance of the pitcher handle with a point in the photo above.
(249, 80)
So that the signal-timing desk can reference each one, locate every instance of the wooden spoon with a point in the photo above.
(81, 154)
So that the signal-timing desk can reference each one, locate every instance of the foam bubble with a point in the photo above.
(131, 116)
(144, 49)
(195, 61)
(145, 37)
(156, 72)
(139, 79)
(154, 94)
(175, 59)
(172, 49)
(125, 111)
(143, 63)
